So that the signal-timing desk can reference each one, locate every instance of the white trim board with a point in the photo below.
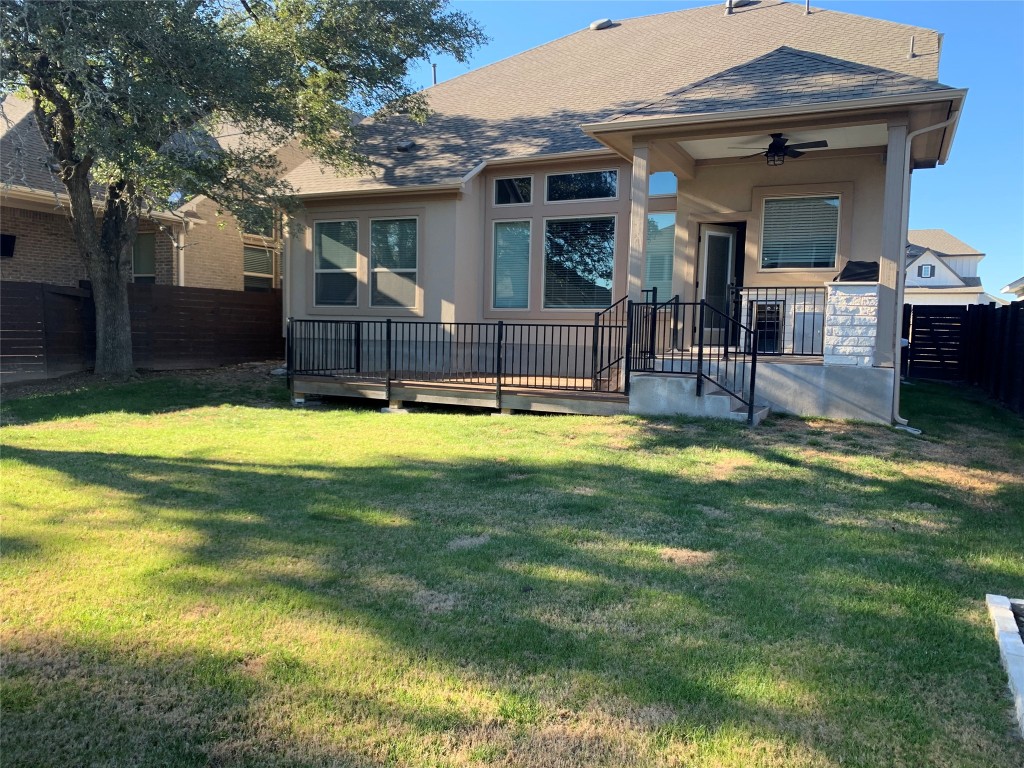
(1011, 648)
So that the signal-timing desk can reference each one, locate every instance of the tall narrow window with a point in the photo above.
(800, 233)
(257, 268)
(661, 235)
(144, 258)
(579, 257)
(334, 263)
(393, 262)
(511, 264)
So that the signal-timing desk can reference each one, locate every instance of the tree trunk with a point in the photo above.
(113, 320)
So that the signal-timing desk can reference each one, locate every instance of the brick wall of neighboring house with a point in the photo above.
(45, 249)
(214, 250)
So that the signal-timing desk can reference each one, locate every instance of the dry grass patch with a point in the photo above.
(686, 558)
(468, 542)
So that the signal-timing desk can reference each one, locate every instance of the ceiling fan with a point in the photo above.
(780, 148)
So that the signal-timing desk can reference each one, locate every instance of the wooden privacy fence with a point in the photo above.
(981, 344)
(49, 330)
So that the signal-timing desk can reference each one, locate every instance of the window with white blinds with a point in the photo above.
(579, 257)
(511, 264)
(393, 262)
(800, 232)
(661, 235)
(335, 244)
(257, 268)
(144, 259)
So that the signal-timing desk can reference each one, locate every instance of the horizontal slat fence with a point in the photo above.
(981, 344)
(49, 330)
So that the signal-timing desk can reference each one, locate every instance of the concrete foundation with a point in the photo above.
(831, 391)
(653, 394)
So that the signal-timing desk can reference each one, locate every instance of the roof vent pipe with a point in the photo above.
(807, 8)
(433, 68)
(600, 24)
(911, 55)
(728, 7)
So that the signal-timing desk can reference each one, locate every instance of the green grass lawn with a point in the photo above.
(193, 573)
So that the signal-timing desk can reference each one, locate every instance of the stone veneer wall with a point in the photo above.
(851, 323)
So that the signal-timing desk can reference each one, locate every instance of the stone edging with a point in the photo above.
(1011, 649)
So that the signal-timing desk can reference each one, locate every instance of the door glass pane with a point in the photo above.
(719, 256)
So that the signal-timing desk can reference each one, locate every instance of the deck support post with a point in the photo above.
(638, 219)
(499, 358)
(629, 347)
(700, 351)
(387, 350)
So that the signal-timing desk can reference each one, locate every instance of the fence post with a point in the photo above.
(675, 321)
(753, 378)
(596, 362)
(387, 354)
(289, 351)
(499, 358)
(358, 348)
(700, 350)
(629, 346)
(653, 335)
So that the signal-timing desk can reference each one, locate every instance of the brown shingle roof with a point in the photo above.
(24, 157)
(939, 241)
(534, 102)
(784, 77)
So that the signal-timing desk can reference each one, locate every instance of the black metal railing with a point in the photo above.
(731, 367)
(789, 320)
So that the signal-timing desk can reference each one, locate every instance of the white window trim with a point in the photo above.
(581, 199)
(354, 270)
(494, 259)
(502, 206)
(839, 235)
(544, 259)
(373, 269)
(921, 269)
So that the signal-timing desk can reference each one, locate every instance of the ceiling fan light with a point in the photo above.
(775, 159)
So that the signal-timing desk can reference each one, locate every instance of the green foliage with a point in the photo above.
(167, 99)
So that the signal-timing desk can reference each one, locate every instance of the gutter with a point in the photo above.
(901, 269)
(61, 200)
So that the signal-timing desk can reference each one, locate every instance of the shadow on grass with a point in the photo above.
(571, 585)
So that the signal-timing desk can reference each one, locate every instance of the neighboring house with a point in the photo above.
(1016, 288)
(942, 270)
(743, 158)
(194, 245)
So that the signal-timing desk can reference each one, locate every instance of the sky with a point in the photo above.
(978, 196)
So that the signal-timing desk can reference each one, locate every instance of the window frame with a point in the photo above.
(761, 268)
(544, 259)
(273, 268)
(372, 269)
(354, 270)
(494, 260)
(922, 267)
(583, 199)
(494, 191)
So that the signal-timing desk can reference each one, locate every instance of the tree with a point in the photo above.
(129, 98)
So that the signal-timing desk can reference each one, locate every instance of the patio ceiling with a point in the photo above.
(847, 137)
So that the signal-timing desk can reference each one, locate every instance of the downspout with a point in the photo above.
(181, 253)
(901, 269)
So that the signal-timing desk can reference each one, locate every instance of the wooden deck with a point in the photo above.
(480, 393)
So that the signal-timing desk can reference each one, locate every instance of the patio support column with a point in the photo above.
(638, 220)
(894, 244)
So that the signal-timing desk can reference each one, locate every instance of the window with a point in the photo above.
(511, 264)
(334, 263)
(517, 191)
(926, 270)
(393, 262)
(800, 232)
(661, 183)
(661, 233)
(579, 256)
(257, 268)
(7, 246)
(144, 258)
(591, 185)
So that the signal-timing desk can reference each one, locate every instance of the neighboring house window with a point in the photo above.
(269, 229)
(926, 270)
(7, 246)
(257, 268)
(579, 256)
(661, 232)
(511, 264)
(393, 262)
(515, 191)
(662, 183)
(144, 259)
(800, 232)
(334, 263)
(590, 185)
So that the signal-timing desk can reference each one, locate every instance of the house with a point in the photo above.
(628, 217)
(1016, 288)
(194, 244)
(942, 270)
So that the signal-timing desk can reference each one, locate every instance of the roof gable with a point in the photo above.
(944, 276)
(784, 77)
(939, 241)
